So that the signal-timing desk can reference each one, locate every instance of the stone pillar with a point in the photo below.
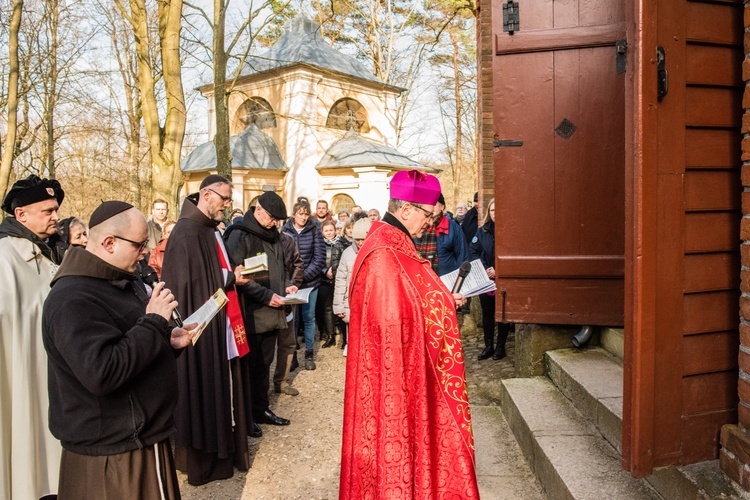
(735, 438)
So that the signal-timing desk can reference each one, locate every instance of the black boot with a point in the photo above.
(309, 361)
(488, 351)
(331, 341)
(499, 353)
(294, 364)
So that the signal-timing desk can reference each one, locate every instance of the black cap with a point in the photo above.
(32, 189)
(213, 179)
(273, 204)
(107, 210)
(476, 197)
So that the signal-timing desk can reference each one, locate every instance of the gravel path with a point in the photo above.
(301, 461)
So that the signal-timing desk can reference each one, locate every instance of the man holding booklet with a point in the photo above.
(255, 240)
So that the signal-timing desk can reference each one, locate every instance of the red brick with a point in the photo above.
(744, 362)
(745, 171)
(736, 440)
(747, 17)
(746, 116)
(745, 282)
(745, 229)
(744, 335)
(745, 254)
(743, 391)
(746, 202)
(747, 42)
(743, 415)
(731, 467)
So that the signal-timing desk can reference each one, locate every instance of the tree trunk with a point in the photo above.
(10, 137)
(221, 113)
(458, 149)
(53, 11)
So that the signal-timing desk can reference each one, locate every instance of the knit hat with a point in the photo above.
(32, 189)
(415, 187)
(213, 179)
(107, 210)
(361, 228)
(273, 204)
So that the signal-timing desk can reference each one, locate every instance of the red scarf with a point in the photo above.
(234, 314)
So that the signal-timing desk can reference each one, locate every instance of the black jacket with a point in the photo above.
(246, 238)
(483, 245)
(112, 375)
(470, 223)
(312, 249)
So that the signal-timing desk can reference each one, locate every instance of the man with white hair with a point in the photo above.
(112, 369)
(29, 453)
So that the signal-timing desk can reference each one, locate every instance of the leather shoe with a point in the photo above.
(499, 353)
(255, 431)
(270, 418)
(488, 351)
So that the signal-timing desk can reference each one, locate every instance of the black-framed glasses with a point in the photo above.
(140, 244)
(223, 198)
(430, 215)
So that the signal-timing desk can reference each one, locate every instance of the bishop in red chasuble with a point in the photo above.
(407, 424)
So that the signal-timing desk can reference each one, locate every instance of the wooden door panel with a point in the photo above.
(707, 392)
(710, 312)
(710, 353)
(711, 271)
(559, 198)
(712, 107)
(712, 231)
(712, 148)
(711, 65)
(712, 190)
(713, 23)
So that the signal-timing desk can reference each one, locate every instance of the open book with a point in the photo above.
(256, 264)
(206, 312)
(298, 297)
(476, 283)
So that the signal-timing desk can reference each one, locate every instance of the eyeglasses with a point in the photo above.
(223, 198)
(430, 215)
(140, 244)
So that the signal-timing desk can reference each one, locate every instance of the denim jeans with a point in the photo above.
(307, 316)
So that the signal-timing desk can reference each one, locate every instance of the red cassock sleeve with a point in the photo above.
(407, 426)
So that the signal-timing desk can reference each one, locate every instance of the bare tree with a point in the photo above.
(165, 141)
(12, 101)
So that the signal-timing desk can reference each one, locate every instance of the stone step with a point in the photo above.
(565, 451)
(592, 379)
(613, 341)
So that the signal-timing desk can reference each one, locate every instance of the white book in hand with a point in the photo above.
(298, 297)
(476, 283)
(256, 264)
(206, 312)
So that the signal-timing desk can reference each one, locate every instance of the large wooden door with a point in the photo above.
(559, 163)
(682, 227)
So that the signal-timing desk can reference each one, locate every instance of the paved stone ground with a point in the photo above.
(302, 461)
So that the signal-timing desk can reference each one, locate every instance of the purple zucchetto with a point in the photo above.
(107, 210)
(415, 187)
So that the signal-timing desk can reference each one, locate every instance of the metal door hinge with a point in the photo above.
(511, 144)
(662, 77)
(621, 57)
(511, 18)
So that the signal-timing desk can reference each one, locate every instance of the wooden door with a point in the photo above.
(682, 240)
(559, 163)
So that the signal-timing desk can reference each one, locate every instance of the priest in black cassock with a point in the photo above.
(213, 382)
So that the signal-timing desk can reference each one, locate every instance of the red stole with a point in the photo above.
(234, 314)
(407, 422)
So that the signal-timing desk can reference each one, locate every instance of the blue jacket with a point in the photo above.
(483, 245)
(452, 248)
(312, 249)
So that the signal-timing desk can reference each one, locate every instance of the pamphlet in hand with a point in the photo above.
(256, 264)
(476, 283)
(298, 297)
(206, 313)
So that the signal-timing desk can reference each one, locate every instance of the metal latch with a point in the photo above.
(511, 20)
(621, 57)
(662, 77)
(506, 143)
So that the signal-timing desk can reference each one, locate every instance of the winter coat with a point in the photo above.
(470, 223)
(483, 245)
(452, 248)
(343, 277)
(113, 375)
(342, 244)
(312, 249)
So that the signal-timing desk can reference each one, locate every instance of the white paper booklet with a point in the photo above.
(298, 297)
(476, 283)
(206, 312)
(256, 264)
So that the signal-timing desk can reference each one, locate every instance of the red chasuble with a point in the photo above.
(407, 424)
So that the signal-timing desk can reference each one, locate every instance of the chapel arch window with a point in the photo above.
(347, 114)
(341, 202)
(258, 111)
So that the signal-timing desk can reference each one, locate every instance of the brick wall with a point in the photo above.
(735, 439)
(486, 177)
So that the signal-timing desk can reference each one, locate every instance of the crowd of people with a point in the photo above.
(106, 393)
